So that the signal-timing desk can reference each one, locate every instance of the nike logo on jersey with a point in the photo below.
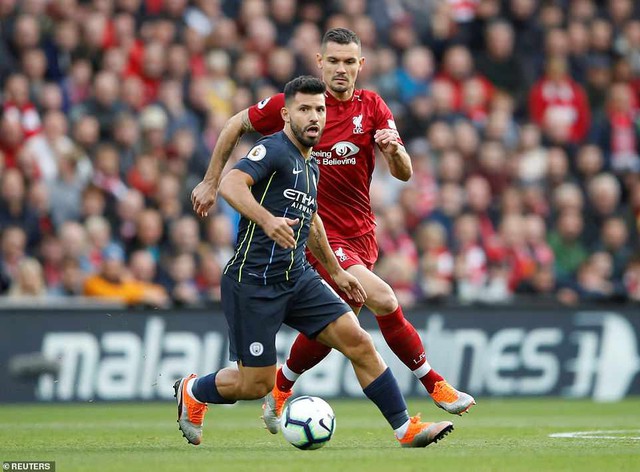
(263, 103)
(296, 171)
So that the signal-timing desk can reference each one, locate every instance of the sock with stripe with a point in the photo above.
(405, 342)
(305, 354)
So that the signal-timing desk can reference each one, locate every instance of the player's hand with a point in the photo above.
(203, 197)
(279, 229)
(387, 140)
(350, 285)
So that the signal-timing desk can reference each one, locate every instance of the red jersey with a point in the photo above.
(345, 155)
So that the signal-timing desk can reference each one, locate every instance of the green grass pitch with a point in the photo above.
(498, 435)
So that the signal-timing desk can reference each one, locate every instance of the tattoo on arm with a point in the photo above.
(318, 242)
(246, 123)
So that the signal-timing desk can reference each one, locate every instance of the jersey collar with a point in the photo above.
(330, 100)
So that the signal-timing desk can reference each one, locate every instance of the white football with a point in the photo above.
(308, 422)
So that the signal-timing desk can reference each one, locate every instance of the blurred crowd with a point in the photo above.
(521, 118)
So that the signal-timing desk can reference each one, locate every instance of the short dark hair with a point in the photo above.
(303, 84)
(340, 36)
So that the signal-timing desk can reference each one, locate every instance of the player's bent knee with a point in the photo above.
(383, 301)
(359, 345)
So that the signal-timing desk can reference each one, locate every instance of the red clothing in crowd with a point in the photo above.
(26, 114)
(565, 98)
(458, 86)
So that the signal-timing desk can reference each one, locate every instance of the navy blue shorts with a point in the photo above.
(255, 313)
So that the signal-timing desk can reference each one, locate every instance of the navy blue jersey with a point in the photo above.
(285, 183)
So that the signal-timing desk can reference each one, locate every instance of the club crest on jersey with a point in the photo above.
(341, 255)
(357, 124)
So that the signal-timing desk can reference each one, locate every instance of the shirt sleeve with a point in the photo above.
(261, 161)
(384, 117)
(265, 115)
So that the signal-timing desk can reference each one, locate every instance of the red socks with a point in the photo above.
(305, 354)
(404, 341)
(401, 336)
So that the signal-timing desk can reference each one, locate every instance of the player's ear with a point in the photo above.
(319, 60)
(361, 61)
(284, 113)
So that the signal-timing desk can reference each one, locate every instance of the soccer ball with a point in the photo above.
(308, 422)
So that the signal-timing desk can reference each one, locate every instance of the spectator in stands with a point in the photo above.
(535, 233)
(209, 276)
(617, 133)
(458, 67)
(168, 197)
(86, 134)
(143, 267)
(171, 98)
(94, 203)
(589, 163)
(104, 105)
(499, 63)
(71, 282)
(603, 197)
(113, 282)
(73, 237)
(436, 262)
(28, 284)
(18, 107)
(73, 172)
(593, 282)
(598, 78)
(60, 49)
(569, 251)
(559, 105)
(415, 74)
(46, 146)
(184, 235)
(558, 169)
(470, 259)
(98, 232)
(13, 249)
(478, 201)
(181, 282)
(153, 122)
(14, 208)
(149, 233)
(11, 140)
(614, 237)
(106, 174)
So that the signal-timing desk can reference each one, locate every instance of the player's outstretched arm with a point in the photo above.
(319, 246)
(203, 196)
(394, 153)
(235, 189)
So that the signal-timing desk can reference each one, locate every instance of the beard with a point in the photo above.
(298, 132)
(339, 87)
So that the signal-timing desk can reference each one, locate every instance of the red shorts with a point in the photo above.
(362, 250)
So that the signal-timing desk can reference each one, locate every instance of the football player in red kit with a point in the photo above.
(357, 121)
